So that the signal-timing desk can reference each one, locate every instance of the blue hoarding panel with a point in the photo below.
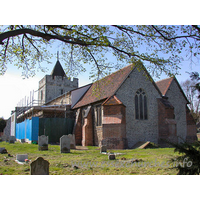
(28, 129)
(35, 128)
(20, 130)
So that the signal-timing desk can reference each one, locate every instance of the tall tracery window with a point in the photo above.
(141, 104)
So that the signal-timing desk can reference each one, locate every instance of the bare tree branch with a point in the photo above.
(45, 36)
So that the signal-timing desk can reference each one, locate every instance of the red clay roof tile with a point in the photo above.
(105, 87)
(164, 84)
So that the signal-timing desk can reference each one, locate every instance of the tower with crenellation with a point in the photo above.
(54, 85)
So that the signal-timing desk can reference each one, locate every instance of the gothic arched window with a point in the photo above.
(140, 105)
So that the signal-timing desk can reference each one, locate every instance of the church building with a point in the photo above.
(128, 107)
(120, 110)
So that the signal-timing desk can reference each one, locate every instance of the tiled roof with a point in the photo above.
(58, 70)
(164, 84)
(113, 100)
(105, 87)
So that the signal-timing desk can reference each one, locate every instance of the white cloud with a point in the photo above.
(12, 89)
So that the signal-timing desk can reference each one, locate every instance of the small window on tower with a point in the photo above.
(61, 91)
(41, 94)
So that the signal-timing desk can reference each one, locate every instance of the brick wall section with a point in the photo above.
(78, 128)
(166, 123)
(114, 126)
(87, 130)
(191, 127)
(98, 130)
(139, 130)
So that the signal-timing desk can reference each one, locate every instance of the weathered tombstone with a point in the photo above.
(72, 141)
(4, 137)
(40, 167)
(43, 142)
(21, 157)
(22, 140)
(3, 150)
(103, 149)
(65, 144)
(111, 156)
(12, 139)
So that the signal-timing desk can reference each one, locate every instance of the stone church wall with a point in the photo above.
(176, 98)
(139, 130)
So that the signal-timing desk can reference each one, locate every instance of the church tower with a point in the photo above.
(54, 85)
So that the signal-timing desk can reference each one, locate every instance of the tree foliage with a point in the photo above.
(160, 47)
(192, 94)
(196, 77)
(2, 124)
(188, 163)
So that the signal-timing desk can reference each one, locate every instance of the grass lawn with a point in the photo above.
(151, 161)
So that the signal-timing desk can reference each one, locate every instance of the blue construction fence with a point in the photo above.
(53, 127)
(28, 129)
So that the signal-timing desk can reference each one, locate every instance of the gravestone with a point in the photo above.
(21, 157)
(12, 139)
(72, 141)
(103, 149)
(22, 140)
(3, 150)
(65, 144)
(39, 167)
(43, 142)
(111, 156)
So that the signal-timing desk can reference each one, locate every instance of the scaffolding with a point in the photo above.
(27, 103)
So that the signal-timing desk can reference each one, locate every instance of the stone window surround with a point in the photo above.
(140, 96)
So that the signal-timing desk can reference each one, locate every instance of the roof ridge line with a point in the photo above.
(164, 79)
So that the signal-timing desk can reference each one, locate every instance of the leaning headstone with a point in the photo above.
(3, 150)
(43, 142)
(39, 167)
(111, 156)
(22, 140)
(103, 149)
(72, 141)
(4, 137)
(21, 157)
(12, 139)
(65, 144)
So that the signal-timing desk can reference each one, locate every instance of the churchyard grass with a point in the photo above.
(90, 161)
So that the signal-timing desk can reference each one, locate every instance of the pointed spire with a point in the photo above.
(58, 70)
(57, 55)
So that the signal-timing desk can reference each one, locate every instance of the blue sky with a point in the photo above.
(14, 87)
